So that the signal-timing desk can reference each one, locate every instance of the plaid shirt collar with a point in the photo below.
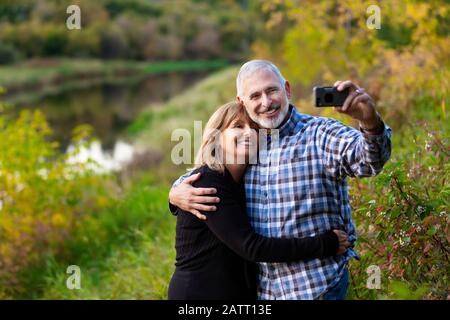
(288, 127)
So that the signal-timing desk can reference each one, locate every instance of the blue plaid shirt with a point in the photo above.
(299, 189)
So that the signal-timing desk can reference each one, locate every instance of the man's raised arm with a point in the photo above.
(349, 152)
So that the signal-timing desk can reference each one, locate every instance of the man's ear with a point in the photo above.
(287, 88)
(238, 99)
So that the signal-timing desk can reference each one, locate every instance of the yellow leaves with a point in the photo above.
(417, 11)
(58, 220)
(261, 50)
(6, 226)
(275, 20)
(82, 132)
(38, 201)
(5, 252)
(26, 224)
(443, 108)
(39, 123)
(102, 201)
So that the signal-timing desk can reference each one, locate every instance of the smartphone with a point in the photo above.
(329, 96)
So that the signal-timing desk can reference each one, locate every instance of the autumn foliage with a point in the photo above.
(43, 199)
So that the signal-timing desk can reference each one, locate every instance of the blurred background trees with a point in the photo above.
(127, 29)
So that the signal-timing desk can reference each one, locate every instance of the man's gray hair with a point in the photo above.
(251, 67)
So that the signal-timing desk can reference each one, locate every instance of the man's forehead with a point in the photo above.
(259, 80)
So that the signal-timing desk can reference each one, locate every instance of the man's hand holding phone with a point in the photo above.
(348, 98)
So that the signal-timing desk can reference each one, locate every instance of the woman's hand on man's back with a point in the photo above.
(344, 244)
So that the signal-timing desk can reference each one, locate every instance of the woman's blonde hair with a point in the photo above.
(210, 152)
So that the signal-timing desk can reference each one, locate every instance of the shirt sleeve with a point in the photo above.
(231, 225)
(350, 152)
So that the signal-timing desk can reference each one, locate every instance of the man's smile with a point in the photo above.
(271, 112)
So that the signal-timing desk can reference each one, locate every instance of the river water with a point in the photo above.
(109, 108)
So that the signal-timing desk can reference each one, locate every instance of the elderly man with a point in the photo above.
(302, 189)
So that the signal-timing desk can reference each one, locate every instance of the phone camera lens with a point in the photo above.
(328, 97)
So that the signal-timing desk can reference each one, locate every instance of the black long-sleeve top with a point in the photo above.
(215, 258)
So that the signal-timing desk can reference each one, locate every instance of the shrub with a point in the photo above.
(403, 219)
(43, 199)
(8, 54)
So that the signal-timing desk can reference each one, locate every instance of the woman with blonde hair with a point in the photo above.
(215, 258)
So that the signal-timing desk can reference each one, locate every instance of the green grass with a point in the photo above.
(124, 252)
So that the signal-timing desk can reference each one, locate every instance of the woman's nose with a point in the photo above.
(247, 130)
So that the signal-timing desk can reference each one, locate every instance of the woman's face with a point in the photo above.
(239, 141)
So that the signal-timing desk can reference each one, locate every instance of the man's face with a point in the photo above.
(265, 98)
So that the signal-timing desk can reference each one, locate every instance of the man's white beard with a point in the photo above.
(274, 123)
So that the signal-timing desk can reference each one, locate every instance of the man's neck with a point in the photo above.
(286, 118)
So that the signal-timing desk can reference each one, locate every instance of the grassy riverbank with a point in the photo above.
(39, 73)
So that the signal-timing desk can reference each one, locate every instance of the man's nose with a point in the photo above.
(266, 101)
